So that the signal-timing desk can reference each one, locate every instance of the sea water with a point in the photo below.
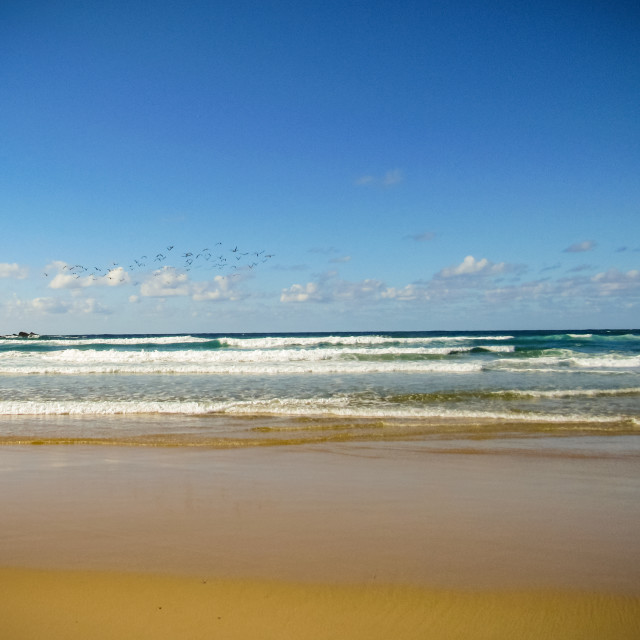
(252, 389)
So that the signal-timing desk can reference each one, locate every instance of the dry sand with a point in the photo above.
(358, 540)
(56, 605)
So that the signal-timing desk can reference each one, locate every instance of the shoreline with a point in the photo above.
(234, 432)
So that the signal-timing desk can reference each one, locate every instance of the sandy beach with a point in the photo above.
(352, 539)
(320, 320)
(117, 605)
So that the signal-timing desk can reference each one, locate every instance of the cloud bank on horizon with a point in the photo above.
(256, 167)
(473, 286)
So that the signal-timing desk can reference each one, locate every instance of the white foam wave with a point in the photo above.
(266, 342)
(234, 361)
(567, 359)
(102, 408)
(340, 407)
(125, 357)
(117, 341)
(231, 367)
(293, 407)
(492, 348)
(607, 362)
(279, 342)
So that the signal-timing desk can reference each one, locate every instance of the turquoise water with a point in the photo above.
(301, 386)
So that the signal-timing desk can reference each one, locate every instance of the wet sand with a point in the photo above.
(351, 539)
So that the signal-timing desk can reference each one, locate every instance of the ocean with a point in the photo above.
(234, 390)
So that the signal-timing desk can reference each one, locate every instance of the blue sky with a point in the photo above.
(329, 166)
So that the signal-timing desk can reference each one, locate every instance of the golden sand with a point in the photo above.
(62, 604)
(348, 541)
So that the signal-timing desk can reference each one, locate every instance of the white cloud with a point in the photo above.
(471, 266)
(168, 282)
(301, 293)
(407, 293)
(91, 305)
(340, 260)
(614, 282)
(579, 247)
(613, 275)
(451, 284)
(68, 281)
(475, 285)
(115, 278)
(369, 288)
(329, 288)
(615, 286)
(164, 283)
(220, 288)
(74, 278)
(54, 305)
(13, 270)
(48, 305)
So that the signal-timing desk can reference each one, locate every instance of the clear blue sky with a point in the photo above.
(403, 165)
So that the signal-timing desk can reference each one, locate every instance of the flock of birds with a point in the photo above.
(233, 261)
